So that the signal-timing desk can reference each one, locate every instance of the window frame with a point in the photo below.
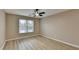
(27, 27)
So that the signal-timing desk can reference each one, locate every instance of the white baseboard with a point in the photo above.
(70, 44)
(22, 37)
(2, 46)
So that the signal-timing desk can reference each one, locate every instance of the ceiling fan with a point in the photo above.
(37, 13)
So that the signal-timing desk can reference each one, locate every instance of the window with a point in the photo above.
(26, 26)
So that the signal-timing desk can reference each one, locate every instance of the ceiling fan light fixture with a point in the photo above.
(36, 14)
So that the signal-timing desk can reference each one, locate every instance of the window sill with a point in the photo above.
(27, 33)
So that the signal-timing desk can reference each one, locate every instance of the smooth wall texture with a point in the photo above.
(2, 28)
(63, 26)
(13, 26)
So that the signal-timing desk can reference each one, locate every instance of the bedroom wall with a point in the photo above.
(2, 28)
(63, 26)
(12, 26)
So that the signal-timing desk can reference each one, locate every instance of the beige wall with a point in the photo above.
(2, 28)
(12, 26)
(63, 26)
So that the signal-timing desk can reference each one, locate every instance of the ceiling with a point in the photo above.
(29, 12)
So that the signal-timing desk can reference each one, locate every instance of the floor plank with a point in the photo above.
(37, 43)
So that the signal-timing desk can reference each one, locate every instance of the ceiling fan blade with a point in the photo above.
(42, 13)
(36, 9)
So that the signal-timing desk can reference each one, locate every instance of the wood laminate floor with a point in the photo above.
(37, 43)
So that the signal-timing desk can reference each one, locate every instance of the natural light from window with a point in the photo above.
(26, 26)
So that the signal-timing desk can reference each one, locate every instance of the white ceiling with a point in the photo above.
(29, 12)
